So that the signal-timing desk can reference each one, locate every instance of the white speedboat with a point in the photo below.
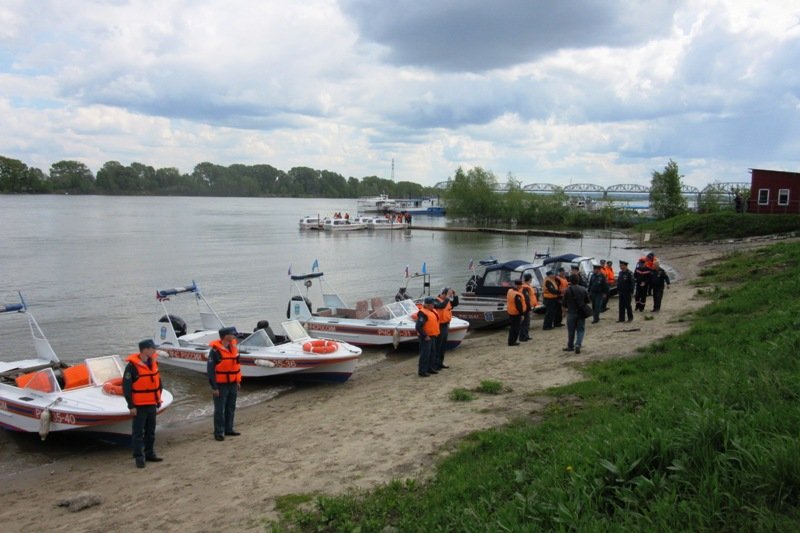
(314, 222)
(370, 323)
(261, 353)
(42, 394)
(385, 223)
(343, 224)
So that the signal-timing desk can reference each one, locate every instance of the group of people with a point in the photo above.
(433, 323)
(577, 297)
(141, 387)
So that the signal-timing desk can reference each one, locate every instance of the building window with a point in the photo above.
(763, 196)
(783, 196)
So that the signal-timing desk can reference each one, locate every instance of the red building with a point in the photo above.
(774, 191)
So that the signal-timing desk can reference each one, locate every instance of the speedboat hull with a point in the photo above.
(482, 312)
(289, 361)
(374, 334)
(87, 409)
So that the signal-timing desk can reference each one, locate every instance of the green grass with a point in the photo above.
(700, 432)
(461, 395)
(488, 386)
(715, 226)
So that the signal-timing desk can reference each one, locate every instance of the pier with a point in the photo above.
(503, 231)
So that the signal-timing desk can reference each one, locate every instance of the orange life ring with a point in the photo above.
(113, 386)
(320, 346)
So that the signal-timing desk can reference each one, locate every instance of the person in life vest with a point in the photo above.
(551, 292)
(444, 305)
(625, 287)
(427, 327)
(225, 377)
(641, 275)
(141, 387)
(529, 294)
(515, 305)
(608, 270)
(563, 284)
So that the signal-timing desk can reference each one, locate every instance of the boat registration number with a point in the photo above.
(183, 354)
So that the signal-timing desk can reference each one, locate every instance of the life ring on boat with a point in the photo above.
(320, 346)
(113, 386)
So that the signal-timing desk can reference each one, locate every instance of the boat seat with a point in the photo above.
(376, 303)
(324, 312)
(361, 309)
(76, 376)
(35, 380)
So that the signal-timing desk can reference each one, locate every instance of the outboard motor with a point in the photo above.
(178, 324)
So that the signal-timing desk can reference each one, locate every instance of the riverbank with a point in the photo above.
(503, 231)
(384, 424)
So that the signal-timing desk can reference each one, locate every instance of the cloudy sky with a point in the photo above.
(573, 91)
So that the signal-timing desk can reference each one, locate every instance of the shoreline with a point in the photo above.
(385, 423)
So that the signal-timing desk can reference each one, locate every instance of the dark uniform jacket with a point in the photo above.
(625, 283)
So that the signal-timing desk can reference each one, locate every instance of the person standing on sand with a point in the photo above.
(444, 305)
(529, 294)
(141, 386)
(658, 281)
(625, 287)
(574, 298)
(427, 327)
(515, 304)
(225, 377)
(598, 291)
(552, 297)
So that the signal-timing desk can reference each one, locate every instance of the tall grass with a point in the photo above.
(701, 432)
(720, 225)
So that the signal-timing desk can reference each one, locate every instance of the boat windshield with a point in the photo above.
(259, 339)
(394, 310)
(104, 368)
(42, 381)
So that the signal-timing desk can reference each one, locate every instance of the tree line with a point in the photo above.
(207, 179)
(471, 194)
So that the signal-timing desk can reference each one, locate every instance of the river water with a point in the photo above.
(89, 266)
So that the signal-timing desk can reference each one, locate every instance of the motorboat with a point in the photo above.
(565, 261)
(385, 223)
(368, 323)
(483, 304)
(375, 204)
(344, 224)
(295, 354)
(312, 222)
(42, 394)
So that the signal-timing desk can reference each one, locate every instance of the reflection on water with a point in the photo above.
(89, 267)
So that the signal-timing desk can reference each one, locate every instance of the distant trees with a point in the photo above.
(206, 179)
(666, 199)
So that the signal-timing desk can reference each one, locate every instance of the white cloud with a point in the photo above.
(544, 91)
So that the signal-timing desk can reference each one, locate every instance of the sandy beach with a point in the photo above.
(383, 424)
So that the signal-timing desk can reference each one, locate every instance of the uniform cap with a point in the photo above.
(227, 331)
(429, 300)
(445, 290)
(621, 262)
(548, 273)
(147, 343)
(517, 281)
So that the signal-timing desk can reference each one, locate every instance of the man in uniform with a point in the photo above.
(529, 294)
(658, 281)
(552, 298)
(625, 287)
(141, 386)
(598, 291)
(444, 305)
(225, 377)
(515, 304)
(401, 295)
(427, 329)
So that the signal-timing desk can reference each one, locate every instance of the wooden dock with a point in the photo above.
(504, 231)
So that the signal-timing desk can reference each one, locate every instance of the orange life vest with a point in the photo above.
(431, 326)
(563, 285)
(526, 288)
(445, 313)
(146, 390)
(552, 294)
(511, 302)
(609, 273)
(228, 369)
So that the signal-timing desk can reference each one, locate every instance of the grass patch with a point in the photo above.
(716, 226)
(701, 432)
(461, 395)
(490, 387)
